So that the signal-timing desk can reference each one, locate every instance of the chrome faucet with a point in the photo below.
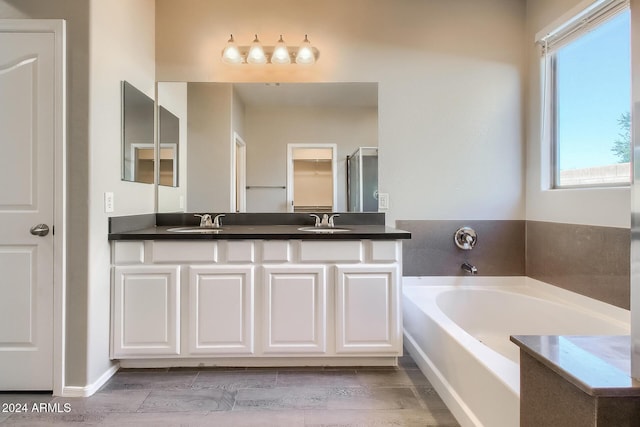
(325, 221)
(217, 222)
(317, 223)
(205, 220)
(465, 238)
(470, 269)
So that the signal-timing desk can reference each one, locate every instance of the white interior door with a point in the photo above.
(27, 147)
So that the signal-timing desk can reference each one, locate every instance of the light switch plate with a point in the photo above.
(383, 201)
(108, 202)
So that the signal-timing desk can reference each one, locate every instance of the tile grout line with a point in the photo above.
(194, 380)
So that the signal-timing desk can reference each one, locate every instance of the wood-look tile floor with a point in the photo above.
(277, 397)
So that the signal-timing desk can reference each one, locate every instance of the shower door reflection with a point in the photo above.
(362, 180)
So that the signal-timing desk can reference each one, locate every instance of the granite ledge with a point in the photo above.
(265, 232)
(598, 365)
(273, 226)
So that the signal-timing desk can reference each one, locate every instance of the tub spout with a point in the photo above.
(471, 269)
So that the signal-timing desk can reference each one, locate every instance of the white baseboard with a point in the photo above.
(90, 389)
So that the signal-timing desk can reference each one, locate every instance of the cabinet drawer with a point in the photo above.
(185, 251)
(239, 251)
(128, 252)
(337, 251)
(276, 251)
(385, 250)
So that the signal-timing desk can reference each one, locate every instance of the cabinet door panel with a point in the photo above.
(295, 309)
(146, 311)
(366, 307)
(221, 310)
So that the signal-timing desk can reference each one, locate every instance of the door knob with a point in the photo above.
(40, 230)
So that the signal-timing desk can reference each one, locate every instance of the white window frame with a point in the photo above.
(583, 18)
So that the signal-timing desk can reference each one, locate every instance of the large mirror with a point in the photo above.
(169, 138)
(138, 153)
(276, 147)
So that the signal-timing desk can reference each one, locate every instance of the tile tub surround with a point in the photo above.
(589, 260)
(282, 397)
(500, 250)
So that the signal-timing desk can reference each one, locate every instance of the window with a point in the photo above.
(588, 78)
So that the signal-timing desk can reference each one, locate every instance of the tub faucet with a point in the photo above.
(471, 269)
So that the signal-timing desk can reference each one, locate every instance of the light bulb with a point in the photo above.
(305, 53)
(280, 53)
(231, 53)
(256, 53)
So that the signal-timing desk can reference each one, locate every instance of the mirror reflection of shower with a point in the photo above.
(362, 180)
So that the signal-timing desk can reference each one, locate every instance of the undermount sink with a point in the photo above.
(324, 229)
(194, 230)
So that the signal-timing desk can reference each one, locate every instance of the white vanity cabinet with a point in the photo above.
(294, 309)
(220, 311)
(367, 307)
(145, 311)
(256, 302)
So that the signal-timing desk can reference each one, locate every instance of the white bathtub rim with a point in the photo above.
(501, 367)
(531, 287)
(597, 308)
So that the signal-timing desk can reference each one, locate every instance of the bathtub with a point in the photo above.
(457, 330)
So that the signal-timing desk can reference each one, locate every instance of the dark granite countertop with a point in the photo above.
(597, 365)
(252, 226)
(356, 232)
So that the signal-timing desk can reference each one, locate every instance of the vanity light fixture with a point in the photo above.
(231, 54)
(256, 53)
(305, 53)
(279, 54)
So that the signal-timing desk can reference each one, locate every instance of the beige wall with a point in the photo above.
(450, 85)
(603, 207)
(121, 48)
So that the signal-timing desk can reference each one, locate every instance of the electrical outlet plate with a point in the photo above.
(108, 202)
(383, 201)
